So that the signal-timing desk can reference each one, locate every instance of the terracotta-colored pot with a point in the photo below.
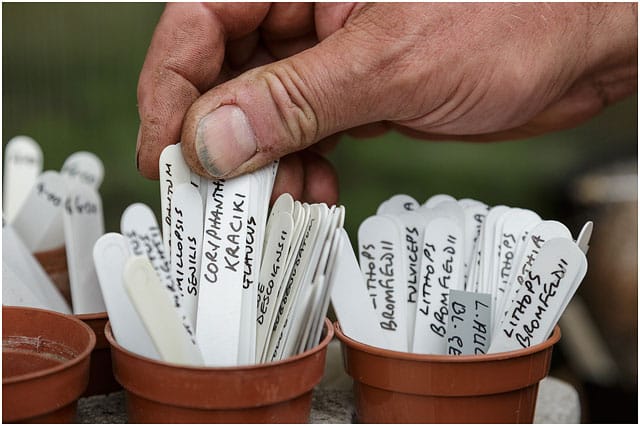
(45, 365)
(160, 392)
(399, 387)
(101, 381)
(101, 378)
(54, 263)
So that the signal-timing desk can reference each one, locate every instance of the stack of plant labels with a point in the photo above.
(457, 277)
(219, 283)
(45, 211)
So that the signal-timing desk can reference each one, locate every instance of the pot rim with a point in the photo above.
(93, 316)
(85, 353)
(408, 356)
(317, 348)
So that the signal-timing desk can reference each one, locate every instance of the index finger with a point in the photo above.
(183, 61)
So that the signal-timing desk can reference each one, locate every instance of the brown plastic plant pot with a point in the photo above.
(101, 379)
(278, 392)
(400, 387)
(54, 263)
(45, 365)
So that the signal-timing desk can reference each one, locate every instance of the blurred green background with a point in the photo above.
(69, 81)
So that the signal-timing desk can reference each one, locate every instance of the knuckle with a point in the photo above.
(292, 102)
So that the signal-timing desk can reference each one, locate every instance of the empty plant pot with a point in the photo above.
(45, 365)
(54, 263)
(278, 392)
(101, 378)
(399, 387)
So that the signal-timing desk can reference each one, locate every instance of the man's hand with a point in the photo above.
(243, 84)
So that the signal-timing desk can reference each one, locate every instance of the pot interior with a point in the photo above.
(24, 354)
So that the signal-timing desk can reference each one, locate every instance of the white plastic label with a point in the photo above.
(350, 299)
(443, 269)
(397, 204)
(22, 166)
(547, 288)
(39, 221)
(156, 310)
(173, 172)
(19, 259)
(83, 225)
(186, 242)
(382, 264)
(84, 167)
(110, 253)
(221, 273)
(468, 329)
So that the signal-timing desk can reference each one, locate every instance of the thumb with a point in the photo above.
(283, 107)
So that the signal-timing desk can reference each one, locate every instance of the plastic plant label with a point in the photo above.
(325, 297)
(397, 204)
(350, 299)
(291, 288)
(542, 232)
(139, 226)
(321, 281)
(19, 259)
(382, 264)
(547, 288)
(584, 237)
(443, 269)
(434, 200)
(83, 225)
(511, 231)
(261, 185)
(84, 167)
(271, 275)
(468, 329)
(475, 268)
(508, 233)
(110, 253)
(222, 269)
(39, 221)
(156, 310)
(22, 166)
(16, 292)
(186, 245)
(173, 172)
(301, 217)
(413, 230)
(302, 308)
(475, 213)
(489, 249)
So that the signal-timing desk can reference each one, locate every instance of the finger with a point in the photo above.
(286, 106)
(308, 177)
(320, 179)
(370, 130)
(290, 178)
(288, 20)
(240, 51)
(183, 60)
(289, 29)
(326, 145)
(281, 49)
